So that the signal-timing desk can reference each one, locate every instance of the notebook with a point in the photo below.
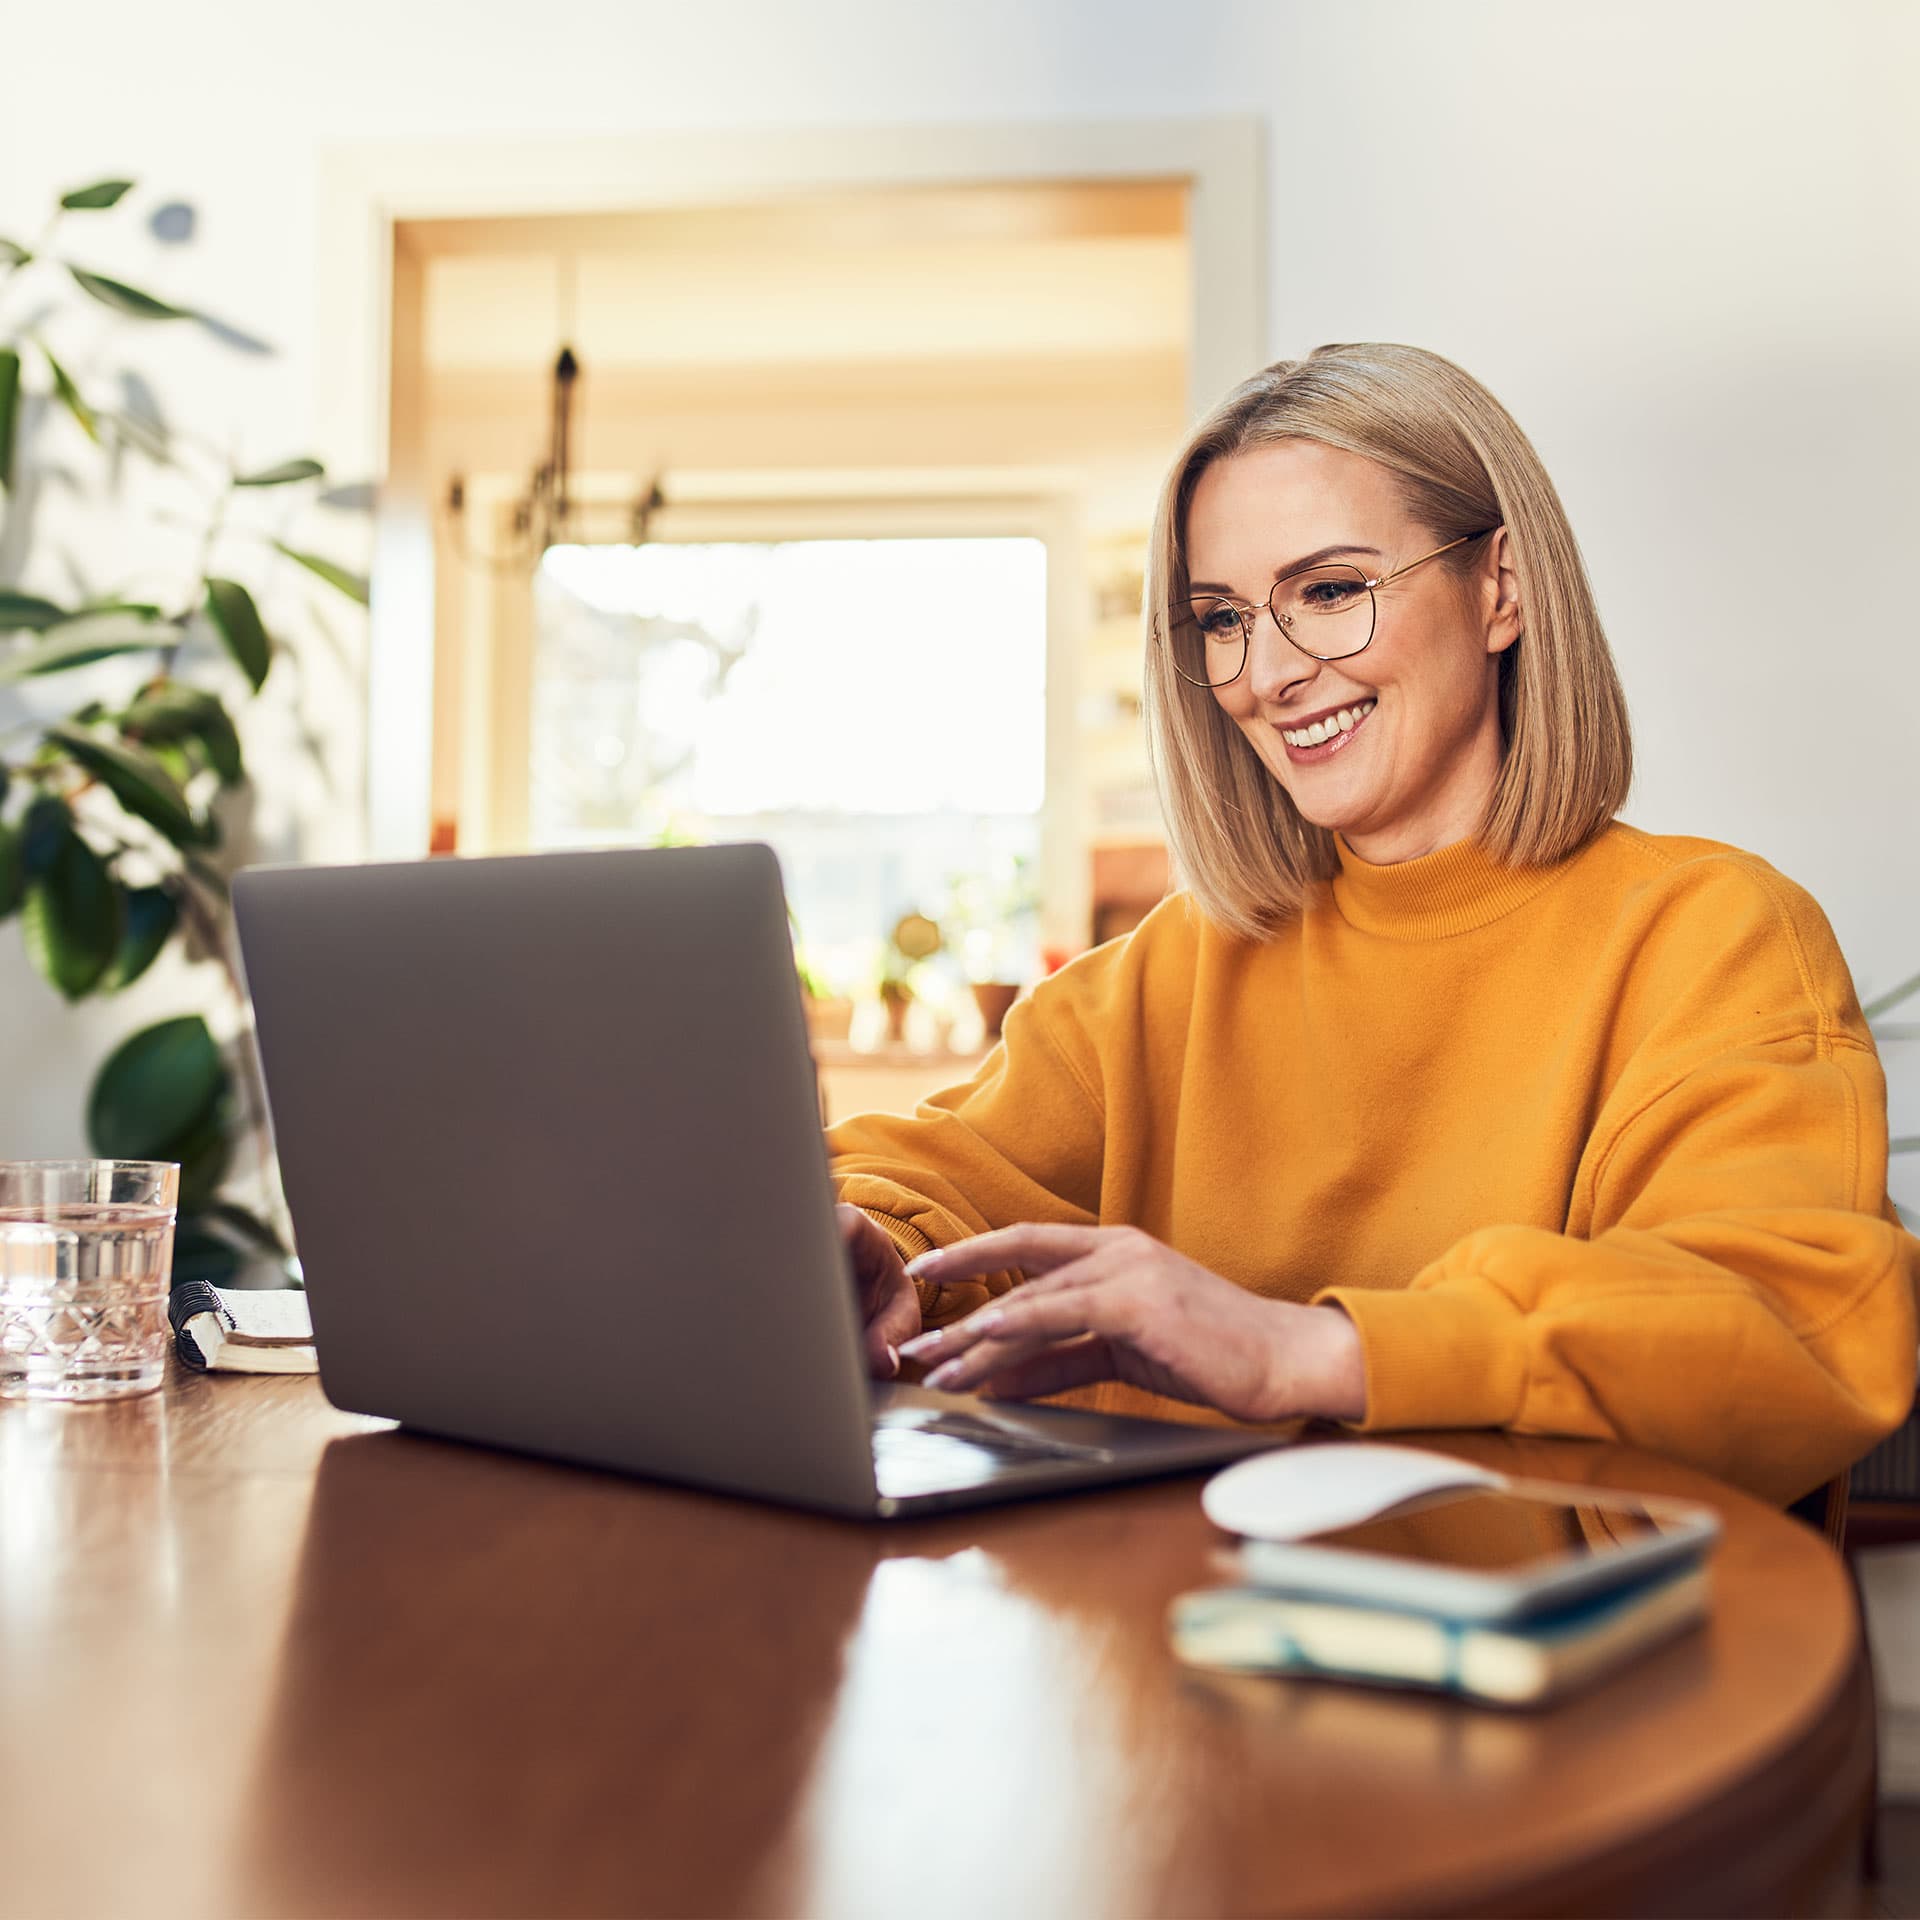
(242, 1330)
(1512, 1663)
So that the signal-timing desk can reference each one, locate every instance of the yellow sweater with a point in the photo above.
(1596, 1149)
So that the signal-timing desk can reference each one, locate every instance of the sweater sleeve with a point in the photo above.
(1742, 1298)
(1023, 1140)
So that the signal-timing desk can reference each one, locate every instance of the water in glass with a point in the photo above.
(84, 1269)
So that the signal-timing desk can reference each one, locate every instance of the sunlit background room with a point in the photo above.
(613, 425)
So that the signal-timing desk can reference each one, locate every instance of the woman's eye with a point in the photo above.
(1324, 595)
(1218, 623)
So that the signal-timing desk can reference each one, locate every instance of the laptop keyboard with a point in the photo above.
(915, 1452)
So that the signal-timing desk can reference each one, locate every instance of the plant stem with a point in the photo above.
(1892, 998)
(211, 928)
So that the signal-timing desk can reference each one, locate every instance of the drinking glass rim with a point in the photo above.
(89, 1165)
(31, 1189)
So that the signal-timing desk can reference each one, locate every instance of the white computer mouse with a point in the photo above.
(1295, 1491)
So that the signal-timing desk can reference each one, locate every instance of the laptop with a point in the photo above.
(550, 1136)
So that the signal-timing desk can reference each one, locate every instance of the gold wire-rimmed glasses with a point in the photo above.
(1332, 603)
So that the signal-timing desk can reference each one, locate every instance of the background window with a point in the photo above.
(873, 709)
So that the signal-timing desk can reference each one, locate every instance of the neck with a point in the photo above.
(1458, 811)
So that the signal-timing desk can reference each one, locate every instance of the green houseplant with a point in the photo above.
(120, 757)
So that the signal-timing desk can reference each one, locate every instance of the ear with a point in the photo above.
(1500, 590)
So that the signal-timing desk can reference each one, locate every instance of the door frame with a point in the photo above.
(366, 188)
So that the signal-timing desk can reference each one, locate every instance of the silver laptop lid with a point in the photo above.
(550, 1137)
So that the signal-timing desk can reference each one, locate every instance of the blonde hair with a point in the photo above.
(1463, 467)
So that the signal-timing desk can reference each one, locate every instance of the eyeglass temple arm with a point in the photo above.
(1383, 579)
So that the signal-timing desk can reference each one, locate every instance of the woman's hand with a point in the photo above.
(889, 1305)
(1113, 1303)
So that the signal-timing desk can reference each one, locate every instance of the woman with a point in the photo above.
(1439, 1097)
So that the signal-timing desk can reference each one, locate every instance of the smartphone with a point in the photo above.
(1489, 1553)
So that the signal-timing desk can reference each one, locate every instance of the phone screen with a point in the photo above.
(1492, 1530)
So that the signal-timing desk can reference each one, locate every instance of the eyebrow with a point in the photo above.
(1293, 566)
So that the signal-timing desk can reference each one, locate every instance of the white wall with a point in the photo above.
(1676, 239)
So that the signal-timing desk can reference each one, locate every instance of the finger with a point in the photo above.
(1030, 1247)
(1009, 1339)
(883, 1355)
(1009, 1314)
(874, 1258)
(1073, 1363)
(898, 1321)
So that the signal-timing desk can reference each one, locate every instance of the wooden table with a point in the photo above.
(261, 1658)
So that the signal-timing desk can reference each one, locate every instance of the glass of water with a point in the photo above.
(86, 1254)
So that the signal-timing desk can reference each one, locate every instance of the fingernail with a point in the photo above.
(893, 1359)
(925, 1262)
(942, 1376)
(922, 1343)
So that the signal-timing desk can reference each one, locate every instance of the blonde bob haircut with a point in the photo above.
(1463, 467)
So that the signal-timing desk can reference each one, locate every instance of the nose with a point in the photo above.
(1275, 666)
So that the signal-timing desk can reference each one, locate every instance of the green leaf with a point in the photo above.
(353, 585)
(140, 609)
(204, 1155)
(41, 828)
(12, 253)
(220, 741)
(103, 193)
(199, 1253)
(11, 876)
(80, 642)
(70, 397)
(156, 1091)
(238, 620)
(137, 780)
(175, 758)
(172, 712)
(124, 299)
(280, 476)
(71, 917)
(148, 919)
(27, 610)
(9, 410)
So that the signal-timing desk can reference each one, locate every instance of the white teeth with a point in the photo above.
(1322, 730)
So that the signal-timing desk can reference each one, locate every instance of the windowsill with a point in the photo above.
(840, 1053)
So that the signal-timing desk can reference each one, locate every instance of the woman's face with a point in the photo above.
(1417, 770)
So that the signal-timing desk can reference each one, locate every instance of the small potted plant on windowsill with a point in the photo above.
(995, 915)
(914, 939)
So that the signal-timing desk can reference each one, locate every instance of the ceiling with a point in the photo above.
(882, 275)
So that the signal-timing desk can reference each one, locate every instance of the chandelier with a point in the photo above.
(543, 515)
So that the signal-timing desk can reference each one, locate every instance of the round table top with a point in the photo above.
(264, 1658)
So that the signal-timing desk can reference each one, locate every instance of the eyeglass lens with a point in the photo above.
(1326, 612)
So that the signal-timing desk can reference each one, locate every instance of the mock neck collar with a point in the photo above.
(1452, 890)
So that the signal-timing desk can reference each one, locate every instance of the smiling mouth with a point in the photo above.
(1313, 742)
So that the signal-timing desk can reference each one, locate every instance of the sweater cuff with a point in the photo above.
(936, 1303)
(903, 1233)
(1452, 1356)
